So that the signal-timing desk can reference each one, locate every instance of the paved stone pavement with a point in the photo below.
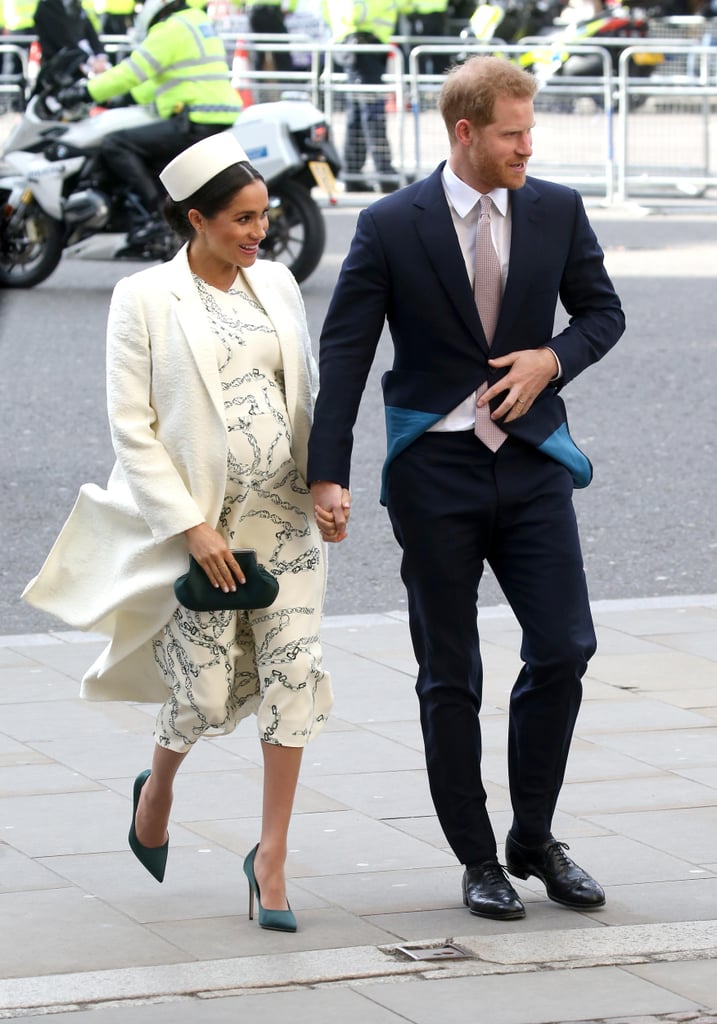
(88, 936)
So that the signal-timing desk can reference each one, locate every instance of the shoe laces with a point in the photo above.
(557, 850)
(493, 871)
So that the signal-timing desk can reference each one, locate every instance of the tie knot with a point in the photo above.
(485, 205)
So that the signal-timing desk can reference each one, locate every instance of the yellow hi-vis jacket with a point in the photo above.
(180, 66)
(287, 5)
(19, 14)
(348, 16)
(419, 7)
(115, 6)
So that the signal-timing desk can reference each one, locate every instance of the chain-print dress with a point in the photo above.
(223, 666)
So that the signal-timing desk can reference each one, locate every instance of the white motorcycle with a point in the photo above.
(56, 196)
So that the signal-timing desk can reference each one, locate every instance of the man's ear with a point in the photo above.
(464, 131)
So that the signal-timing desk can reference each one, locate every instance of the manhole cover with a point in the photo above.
(447, 952)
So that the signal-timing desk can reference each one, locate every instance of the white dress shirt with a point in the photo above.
(464, 205)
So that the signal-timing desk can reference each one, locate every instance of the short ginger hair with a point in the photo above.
(471, 89)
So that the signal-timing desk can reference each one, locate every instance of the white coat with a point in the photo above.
(112, 568)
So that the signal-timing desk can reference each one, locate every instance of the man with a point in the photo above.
(116, 16)
(456, 501)
(66, 24)
(180, 66)
(362, 23)
(428, 18)
(17, 25)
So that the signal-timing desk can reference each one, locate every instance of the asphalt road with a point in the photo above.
(645, 416)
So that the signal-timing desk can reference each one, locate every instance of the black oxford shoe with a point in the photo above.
(564, 880)
(488, 893)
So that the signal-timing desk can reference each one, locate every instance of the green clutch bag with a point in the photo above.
(195, 592)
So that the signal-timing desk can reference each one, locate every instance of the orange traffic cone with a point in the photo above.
(33, 62)
(392, 66)
(240, 65)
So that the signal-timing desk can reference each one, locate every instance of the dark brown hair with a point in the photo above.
(213, 197)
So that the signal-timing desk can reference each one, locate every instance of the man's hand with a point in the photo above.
(530, 371)
(332, 508)
(99, 63)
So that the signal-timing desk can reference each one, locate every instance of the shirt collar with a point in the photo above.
(463, 198)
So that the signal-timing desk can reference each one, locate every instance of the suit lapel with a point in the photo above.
(437, 233)
(525, 232)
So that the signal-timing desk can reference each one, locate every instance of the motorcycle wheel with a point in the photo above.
(31, 249)
(297, 234)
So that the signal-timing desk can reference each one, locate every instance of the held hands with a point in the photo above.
(530, 371)
(209, 548)
(332, 508)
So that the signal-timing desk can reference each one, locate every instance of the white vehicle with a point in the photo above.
(56, 196)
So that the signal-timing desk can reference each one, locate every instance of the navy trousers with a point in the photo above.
(455, 506)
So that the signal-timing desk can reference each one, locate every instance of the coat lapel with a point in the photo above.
(437, 233)
(266, 286)
(191, 317)
(193, 323)
(525, 231)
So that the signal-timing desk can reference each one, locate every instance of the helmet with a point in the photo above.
(150, 13)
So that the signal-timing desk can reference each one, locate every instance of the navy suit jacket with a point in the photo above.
(405, 265)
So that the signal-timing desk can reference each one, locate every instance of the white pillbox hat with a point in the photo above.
(200, 163)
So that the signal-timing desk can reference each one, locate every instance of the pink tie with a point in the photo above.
(487, 289)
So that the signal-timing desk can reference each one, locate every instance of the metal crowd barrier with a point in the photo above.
(262, 85)
(614, 136)
(611, 136)
(673, 146)
(338, 94)
(13, 75)
(565, 149)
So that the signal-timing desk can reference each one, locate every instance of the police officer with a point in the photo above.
(356, 23)
(62, 24)
(180, 66)
(268, 17)
(18, 19)
(116, 16)
(428, 18)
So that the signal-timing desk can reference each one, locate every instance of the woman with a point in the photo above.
(210, 385)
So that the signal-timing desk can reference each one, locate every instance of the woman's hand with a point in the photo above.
(209, 548)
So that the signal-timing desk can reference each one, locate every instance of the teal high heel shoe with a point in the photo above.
(274, 920)
(154, 858)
